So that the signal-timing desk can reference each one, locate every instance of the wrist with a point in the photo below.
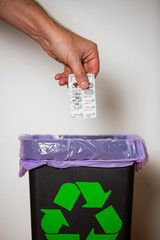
(48, 35)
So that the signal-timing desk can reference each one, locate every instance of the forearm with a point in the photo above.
(29, 17)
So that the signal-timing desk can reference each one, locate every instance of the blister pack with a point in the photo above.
(82, 102)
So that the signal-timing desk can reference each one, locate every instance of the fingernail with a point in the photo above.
(84, 85)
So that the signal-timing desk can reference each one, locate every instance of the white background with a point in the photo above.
(32, 102)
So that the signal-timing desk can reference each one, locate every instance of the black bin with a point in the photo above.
(81, 187)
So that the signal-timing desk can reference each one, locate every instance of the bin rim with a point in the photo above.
(61, 151)
(116, 137)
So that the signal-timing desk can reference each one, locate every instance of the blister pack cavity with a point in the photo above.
(82, 102)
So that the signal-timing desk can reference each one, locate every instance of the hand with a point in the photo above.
(79, 56)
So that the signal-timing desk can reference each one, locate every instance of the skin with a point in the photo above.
(78, 55)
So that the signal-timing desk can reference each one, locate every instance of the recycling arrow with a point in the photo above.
(109, 220)
(67, 196)
(93, 194)
(62, 236)
(53, 220)
(95, 197)
(93, 236)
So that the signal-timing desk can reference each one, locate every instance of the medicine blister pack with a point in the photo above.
(82, 102)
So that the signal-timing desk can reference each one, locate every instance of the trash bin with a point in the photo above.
(81, 187)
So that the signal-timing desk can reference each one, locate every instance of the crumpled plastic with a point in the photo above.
(64, 151)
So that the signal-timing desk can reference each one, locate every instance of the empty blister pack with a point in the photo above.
(82, 102)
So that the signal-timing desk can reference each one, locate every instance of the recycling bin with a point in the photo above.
(81, 187)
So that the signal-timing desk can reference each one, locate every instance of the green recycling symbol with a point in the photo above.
(95, 197)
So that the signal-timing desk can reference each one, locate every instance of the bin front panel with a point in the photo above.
(81, 203)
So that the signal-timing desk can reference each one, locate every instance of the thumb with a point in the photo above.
(80, 75)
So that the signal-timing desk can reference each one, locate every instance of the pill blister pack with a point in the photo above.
(82, 102)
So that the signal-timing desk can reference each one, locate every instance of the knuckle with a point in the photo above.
(94, 45)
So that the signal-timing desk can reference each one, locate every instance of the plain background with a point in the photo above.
(127, 90)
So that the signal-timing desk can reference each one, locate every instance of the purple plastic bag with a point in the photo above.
(64, 151)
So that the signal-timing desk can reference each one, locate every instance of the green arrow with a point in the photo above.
(109, 220)
(93, 194)
(53, 220)
(93, 236)
(62, 236)
(67, 196)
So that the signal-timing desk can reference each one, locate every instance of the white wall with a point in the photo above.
(127, 100)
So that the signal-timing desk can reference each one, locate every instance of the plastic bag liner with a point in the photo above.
(64, 151)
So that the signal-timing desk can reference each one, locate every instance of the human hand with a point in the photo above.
(79, 56)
